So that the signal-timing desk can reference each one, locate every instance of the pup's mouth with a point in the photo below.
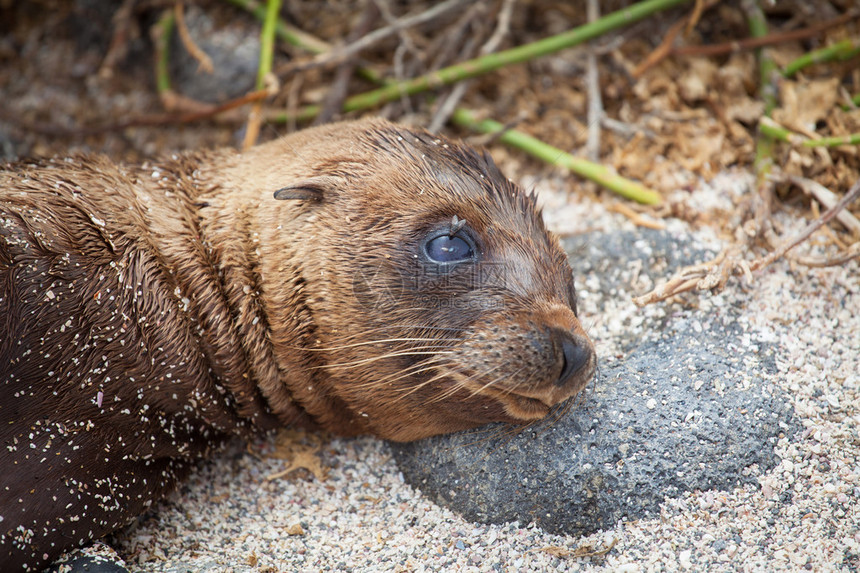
(519, 406)
(528, 405)
(526, 409)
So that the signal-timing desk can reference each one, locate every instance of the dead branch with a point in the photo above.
(503, 25)
(714, 274)
(338, 55)
(827, 198)
(595, 100)
(204, 62)
(667, 49)
(339, 88)
(140, 121)
(768, 40)
(123, 31)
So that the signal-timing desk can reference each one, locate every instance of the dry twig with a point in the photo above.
(123, 28)
(636, 218)
(486, 64)
(714, 274)
(849, 197)
(155, 120)
(503, 24)
(667, 48)
(338, 55)
(595, 102)
(204, 62)
(662, 51)
(696, 15)
(760, 42)
(444, 47)
(338, 90)
(827, 198)
(852, 252)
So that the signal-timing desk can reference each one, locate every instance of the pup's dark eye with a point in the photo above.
(444, 249)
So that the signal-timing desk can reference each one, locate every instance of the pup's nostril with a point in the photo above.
(575, 356)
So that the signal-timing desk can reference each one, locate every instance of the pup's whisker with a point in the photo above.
(368, 343)
(365, 361)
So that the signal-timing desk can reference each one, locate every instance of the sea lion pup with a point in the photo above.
(358, 277)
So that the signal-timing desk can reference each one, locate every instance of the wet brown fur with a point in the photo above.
(150, 312)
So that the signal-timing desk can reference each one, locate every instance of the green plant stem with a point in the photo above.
(600, 174)
(768, 76)
(775, 131)
(853, 103)
(164, 28)
(298, 38)
(768, 73)
(594, 172)
(834, 141)
(267, 41)
(840, 51)
(491, 62)
(285, 32)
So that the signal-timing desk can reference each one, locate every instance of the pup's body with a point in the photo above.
(403, 288)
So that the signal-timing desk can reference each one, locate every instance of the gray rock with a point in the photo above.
(689, 408)
(96, 558)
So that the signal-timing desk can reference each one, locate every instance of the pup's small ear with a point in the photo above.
(312, 189)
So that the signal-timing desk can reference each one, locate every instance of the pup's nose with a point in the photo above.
(575, 355)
